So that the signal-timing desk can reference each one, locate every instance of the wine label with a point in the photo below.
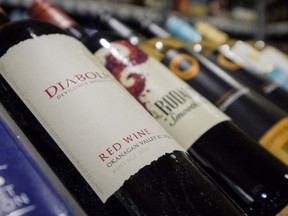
(275, 140)
(227, 61)
(211, 33)
(219, 87)
(275, 56)
(279, 76)
(105, 133)
(24, 189)
(264, 63)
(251, 57)
(177, 107)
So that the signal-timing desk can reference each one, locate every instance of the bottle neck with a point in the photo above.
(77, 31)
(211, 33)
(119, 27)
(46, 11)
(152, 29)
(3, 17)
(182, 30)
(204, 38)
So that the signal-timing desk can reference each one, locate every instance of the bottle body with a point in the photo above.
(257, 117)
(166, 97)
(63, 85)
(269, 62)
(218, 85)
(236, 58)
(256, 203)
(43, 142)
(267, 88)
(142, 89)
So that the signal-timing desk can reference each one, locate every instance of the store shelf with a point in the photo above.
(91, 8)
(257, 29)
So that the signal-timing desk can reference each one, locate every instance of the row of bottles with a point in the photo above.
(149, 163)
(215, 145)
(243, 95)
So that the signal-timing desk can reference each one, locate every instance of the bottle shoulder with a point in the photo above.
(101, 39)
(15, 32)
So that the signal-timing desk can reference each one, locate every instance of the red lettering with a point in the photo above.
(100, 75)
(103, 157)
(128, 139)
(114, 148)
(80, 77)
(60, 84)
(51, 91)
(90, 75)
(110, 151)
(69, 81)
(147, 131)
(117, 146)
(137, 135)
(141, 133)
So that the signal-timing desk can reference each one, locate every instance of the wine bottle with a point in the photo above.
(25, 189)
(277, 57)
(185, 115)
(3, 18)
(257, 65)
(222, 56)
(218, 51)
(51, 153)
(259, 118)
(72, 110)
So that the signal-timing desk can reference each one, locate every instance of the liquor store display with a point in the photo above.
(136, 117)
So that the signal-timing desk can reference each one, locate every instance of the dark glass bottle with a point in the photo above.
(221, 55)
(57, 121)
(227, 158)
(255, 115)
(268, 62)
(220, 52)
(3, 18)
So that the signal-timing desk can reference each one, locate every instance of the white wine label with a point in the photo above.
(280, 72)
(276, 56)
(252, 58)
(177, 107)
(266, 63)
(105, 133)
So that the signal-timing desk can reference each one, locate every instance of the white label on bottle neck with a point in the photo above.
(276, 57)
(174, 104)
(252, 58)
(105, 133)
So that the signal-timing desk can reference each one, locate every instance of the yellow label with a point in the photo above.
(276, 140)
(157, 47)
(211, 33)
(284, 212)
(165, 43)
